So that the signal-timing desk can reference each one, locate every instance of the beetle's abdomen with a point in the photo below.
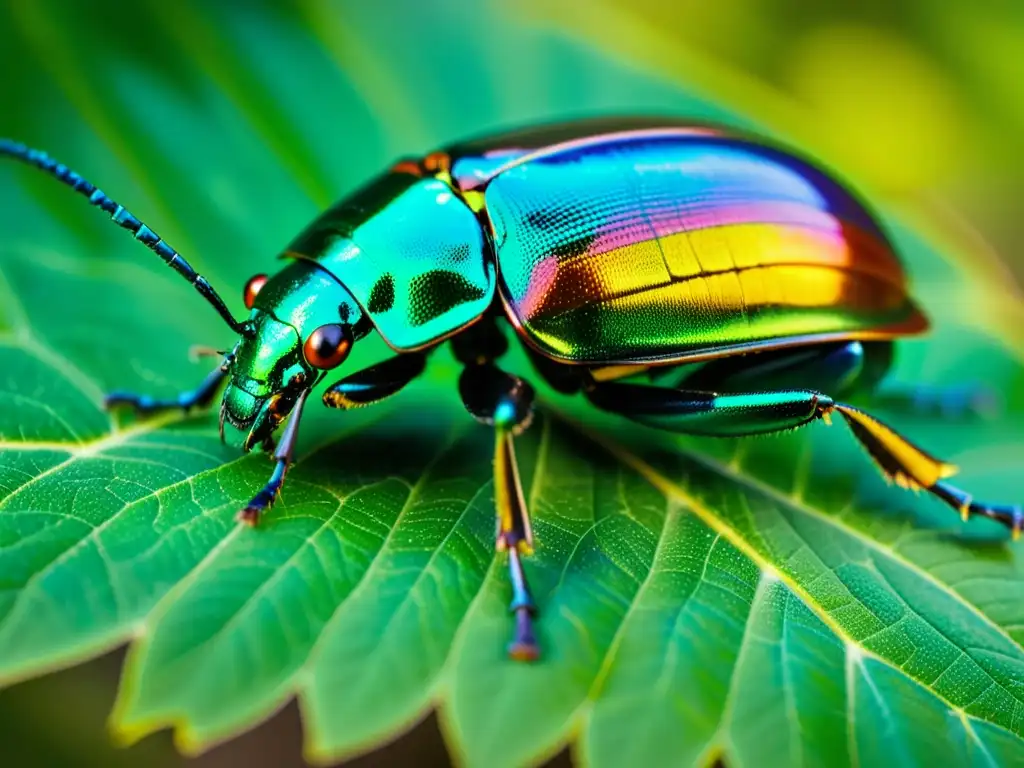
(662, 245)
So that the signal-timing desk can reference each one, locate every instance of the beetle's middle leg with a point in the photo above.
(737, 414)
(505, 402)
(495, 398)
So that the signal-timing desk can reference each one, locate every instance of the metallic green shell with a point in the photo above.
(306, 296)
(412, 255)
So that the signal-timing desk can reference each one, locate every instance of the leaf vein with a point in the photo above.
(714, 522)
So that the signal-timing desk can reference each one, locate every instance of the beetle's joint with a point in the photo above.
(965, 511)
(824, 406)
(334, 399)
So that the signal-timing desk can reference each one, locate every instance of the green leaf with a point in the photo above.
(769, 602)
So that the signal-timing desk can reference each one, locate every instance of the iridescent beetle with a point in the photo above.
(747, 288)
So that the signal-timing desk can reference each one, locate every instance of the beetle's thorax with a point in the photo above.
(410, 253)
(404, 255)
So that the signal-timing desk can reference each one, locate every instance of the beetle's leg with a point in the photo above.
(698, 412)
(373, 384)
(200, 397)
(505, 402)
(910, 467)
(708, 413)
(845, 369)
(842, 368)
(250, 515)
(370, 385)
(839, 367)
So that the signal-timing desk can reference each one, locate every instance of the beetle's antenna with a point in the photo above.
(123, 218)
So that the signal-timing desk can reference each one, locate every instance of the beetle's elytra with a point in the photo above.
(740, 289)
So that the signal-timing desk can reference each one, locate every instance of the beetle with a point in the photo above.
(686, 276)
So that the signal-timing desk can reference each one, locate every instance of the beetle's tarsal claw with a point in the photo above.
(266, 497)
(524, 643)
(260, 503)
(826, 415)
(524, 646)
(249, 516)
(1012, 516)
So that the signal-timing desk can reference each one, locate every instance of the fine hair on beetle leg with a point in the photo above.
(908, 466)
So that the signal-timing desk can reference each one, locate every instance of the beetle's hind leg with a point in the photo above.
(505, 402)
(910, 467)
(839, 368)
(738, 414)
(1012, 516)
(515, 537)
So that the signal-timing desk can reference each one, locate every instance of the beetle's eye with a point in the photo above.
(328, 346)
(256, 282)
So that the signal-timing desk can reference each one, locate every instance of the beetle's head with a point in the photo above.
(270, 368)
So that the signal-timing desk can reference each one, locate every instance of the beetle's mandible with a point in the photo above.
(688, 277)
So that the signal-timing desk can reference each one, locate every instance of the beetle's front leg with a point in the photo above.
(505, 402)
(200, 397)
(376, 383)
(361, 388)
(250, 515)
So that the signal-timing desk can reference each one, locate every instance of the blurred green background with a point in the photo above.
(917, 102)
